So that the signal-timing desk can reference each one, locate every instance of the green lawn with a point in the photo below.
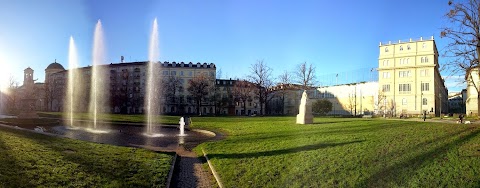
(275, 152)
(34, 160)
(334, 152)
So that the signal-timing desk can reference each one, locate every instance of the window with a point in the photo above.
(408, 47)
(165, 72)
(386, 88)
(404, 101)
(401, 61)
(426, 59)
(181, 73)
(401, 48)
(424, 72)
(408, 60)
(386, 74)
(424, 45)
(424, 101)
(386, 49)
(402, 74)
(173, 73)
(385, 62)
(190, 73)
(425, 86)
(404, 88)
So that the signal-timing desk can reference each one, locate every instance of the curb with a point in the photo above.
(215, 174)
(32, 131)
(170, 173)
(204, 132)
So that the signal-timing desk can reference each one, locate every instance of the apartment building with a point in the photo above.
(409, 77)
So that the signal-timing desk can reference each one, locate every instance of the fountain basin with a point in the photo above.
(166, 139)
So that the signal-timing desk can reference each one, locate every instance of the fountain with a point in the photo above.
(169, 139)
(98, 98)
(182, 127)
(71, 89)
(152, 87)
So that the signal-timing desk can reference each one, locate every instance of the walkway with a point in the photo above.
(189, 171)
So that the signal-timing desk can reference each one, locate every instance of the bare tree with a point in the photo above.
(171, 85)
(380, 103)
(243, 91)
(305, 75)
(284, 83)
(260, 76)
(12, 94)
(464, 34)
(199, 87)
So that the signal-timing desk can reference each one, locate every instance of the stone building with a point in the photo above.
(409, 77)
(471, 100)
(127, 84)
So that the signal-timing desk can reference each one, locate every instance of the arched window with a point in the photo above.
(408, 60)
(426, 59)
(422, 59)
(401, 48)
(386, 49)
(424, 101)
(408, 46)
(424, 45)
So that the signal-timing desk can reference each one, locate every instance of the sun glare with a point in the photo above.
(4, 72)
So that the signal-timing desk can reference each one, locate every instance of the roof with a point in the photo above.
(55, 65)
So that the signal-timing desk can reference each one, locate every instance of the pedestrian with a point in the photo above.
(424, 115)
(461, 118)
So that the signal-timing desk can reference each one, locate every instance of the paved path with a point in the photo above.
(189, 171)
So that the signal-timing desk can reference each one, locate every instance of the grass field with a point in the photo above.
(34, 160)
(275, 152)
(333, 152)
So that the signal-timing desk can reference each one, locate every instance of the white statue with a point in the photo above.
(305, 110)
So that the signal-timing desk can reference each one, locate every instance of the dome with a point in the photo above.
(55, 65)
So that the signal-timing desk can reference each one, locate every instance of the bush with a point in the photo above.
(322, 107)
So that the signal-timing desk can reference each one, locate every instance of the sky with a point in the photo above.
(334, 36)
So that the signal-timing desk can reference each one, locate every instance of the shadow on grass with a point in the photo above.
(11, 173)
(281, 151)
(330, 122)
(375, 127)
(401, 172)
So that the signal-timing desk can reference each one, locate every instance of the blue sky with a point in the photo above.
(335, 36)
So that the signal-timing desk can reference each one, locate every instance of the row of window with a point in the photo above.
(424, 101)
(424, 45)
(404, 74)
(190, 73)
(406, 61)
(406, 88)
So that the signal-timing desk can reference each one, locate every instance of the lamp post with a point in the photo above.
(441, 103)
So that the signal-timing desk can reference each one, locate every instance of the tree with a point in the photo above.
(260, 76)
(171, 85)
(463, 49)
(322, 106)
(242, 91)
(284, 81)
(199, 88)
(12, 94)
(305, 75)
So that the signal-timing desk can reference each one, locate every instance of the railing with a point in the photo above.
(406, 40)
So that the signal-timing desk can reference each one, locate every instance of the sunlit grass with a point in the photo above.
(275, 152)
(33, 160)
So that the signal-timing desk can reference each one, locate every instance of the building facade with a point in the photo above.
(352, 99)
(127, 86)
(409, 78)
(471, 100)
